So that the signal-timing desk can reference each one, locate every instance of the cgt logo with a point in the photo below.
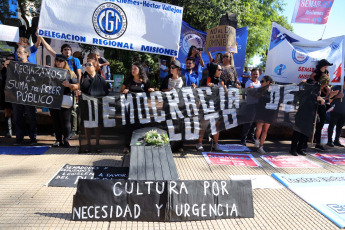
(280, 69)
(109, 21)
(299, 56)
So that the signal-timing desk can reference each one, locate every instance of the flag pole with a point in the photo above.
(323, 32)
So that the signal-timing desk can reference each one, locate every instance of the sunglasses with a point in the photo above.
(88, 65)
(173, 67)
(262, 81)
(220, 70)
(226, 56)
(59, 60)
(20, 52)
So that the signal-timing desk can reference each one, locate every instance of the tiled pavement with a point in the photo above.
(26, 203)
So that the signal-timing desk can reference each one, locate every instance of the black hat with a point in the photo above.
(323, 63)
(60, 56)
(176, 63)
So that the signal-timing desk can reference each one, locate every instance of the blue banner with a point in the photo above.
(191, 36)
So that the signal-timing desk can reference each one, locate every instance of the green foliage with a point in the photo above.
(152, 137)
(5, 11)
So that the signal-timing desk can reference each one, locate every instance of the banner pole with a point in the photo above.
(323, 32)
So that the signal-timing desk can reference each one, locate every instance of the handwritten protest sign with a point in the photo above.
(221, 38)
(35, 85)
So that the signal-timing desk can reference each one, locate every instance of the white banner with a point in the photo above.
(9, 33)
(292, 58)
(137, 25)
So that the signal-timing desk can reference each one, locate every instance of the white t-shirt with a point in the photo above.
(175, 83)
(251, 84)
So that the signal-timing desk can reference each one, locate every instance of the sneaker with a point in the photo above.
(261, 150)
(320, 147)
(72, 135)
(33, 142)
(257, 143)
(243, 142)
(216, 147)
(66, 144)
(199, 147)
(330, 144)
(337, 143)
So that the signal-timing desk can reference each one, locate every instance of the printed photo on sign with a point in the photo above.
(289, 162)
(231, 159)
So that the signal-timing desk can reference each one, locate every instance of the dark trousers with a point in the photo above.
(19, 121)
(321, 112)
(338, 120)
(298, 141)
(248, 131)
(62, 123)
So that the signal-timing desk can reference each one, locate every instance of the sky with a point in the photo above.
(334, 27)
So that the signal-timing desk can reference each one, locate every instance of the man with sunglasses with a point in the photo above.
(248, 128)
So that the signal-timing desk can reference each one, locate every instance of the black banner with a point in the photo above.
(120, 200)
(35, 85)
(69, 175)
(184, 112)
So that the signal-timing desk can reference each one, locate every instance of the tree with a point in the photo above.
(6, 11)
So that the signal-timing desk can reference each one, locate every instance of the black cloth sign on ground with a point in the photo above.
(184, 112)
(31, 84)
(69, 175)
(122, 200)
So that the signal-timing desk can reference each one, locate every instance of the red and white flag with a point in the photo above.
(312, 11)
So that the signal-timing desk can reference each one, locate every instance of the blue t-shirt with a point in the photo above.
(76, 63)
(32, 57)
(163, 73)
(191, 78)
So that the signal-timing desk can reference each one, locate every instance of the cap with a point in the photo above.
(60, 56)
(324, 62)
(176, 63)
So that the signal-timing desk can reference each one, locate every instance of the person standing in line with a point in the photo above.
(248, 128)
(20, 110)
(245, 77)
(196, 55)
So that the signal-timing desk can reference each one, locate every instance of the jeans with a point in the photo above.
(338, 120)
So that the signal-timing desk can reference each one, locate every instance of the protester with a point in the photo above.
(163, 70)
(92, 84)
(218, 59)
(196, 55)
(245, 77)
(321, 68)
(337, 117)
(75, 66)
(103, 64)
(6, 105)
(146, 68)
(172, 82)
(62, 117)
(229, 73)
(20, 110)
(192, 79)
(248, 128)
(33, 49)
(136, 82)
(264, 118)
(214, 80)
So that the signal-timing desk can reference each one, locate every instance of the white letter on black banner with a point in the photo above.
(91, 123)
(125, 103)
(158, 95)
(108, 111)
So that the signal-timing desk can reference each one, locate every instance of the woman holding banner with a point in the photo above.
(136, 82)
(62, 117)
(214, 80)
(195, 53)
(92, 84)
(264, 117)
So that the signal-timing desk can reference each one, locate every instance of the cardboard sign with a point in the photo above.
(122, 200)
(30, 84)
(221, 38)
(69, 175)
(231, 159)
(290, 162)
